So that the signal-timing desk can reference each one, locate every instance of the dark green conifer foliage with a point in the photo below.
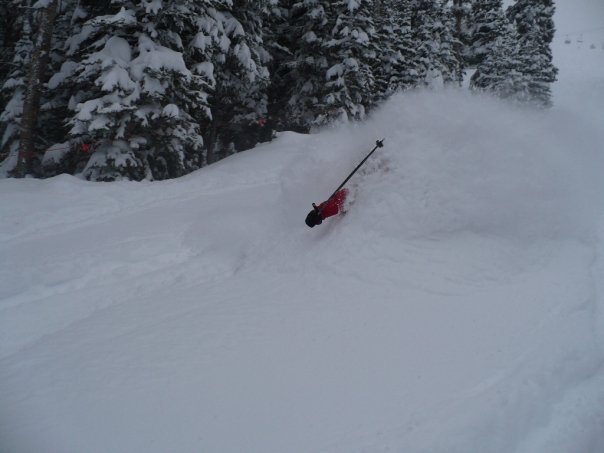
(396, 66)
(498, 73)
(154, 90)
(19, 27)
(534, 22)
(239, 101)
(488, 22)
(436, 61)
(351, 51)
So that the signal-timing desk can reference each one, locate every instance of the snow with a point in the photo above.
(207, 69)
(117, 78)
(67, 69)
(124, 17)
(202, 41)
(244, 55)
(56, 153)
(335, 70)
(117, 50)
(14, 106)
(171, 110)
(457, 306)
(86, 109)
(353, 4)
(156, 57)
(310, 37)
(153, 6)
(12, 83)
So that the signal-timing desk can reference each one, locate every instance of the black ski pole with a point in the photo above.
(315, 217)
(378, 144)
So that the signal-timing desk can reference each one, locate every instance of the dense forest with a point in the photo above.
(155, 89)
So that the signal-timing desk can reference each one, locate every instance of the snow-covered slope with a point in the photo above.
(456, 307)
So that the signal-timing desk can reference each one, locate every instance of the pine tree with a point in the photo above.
(395, 69)
(195, 29)
(59, 154)
(47, 125)
(433, 25)
(493, 50)
(535, 25)
(300, 75)
(499, 73)
(152, 89)
(239, 101)
(278, 45)
(488, 23)
(132, 94)
(36, 73)
(106, 96)
(351, 48)
(19, 43)
(9, 18)
(450, 61)
(461, 11)
(331, 53)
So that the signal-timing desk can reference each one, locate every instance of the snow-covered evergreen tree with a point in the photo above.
(131, 93)
(49, 126)
(494, 51)
(300, 81)
(535, 25)
(45, 14)
(437, 61)
(461, 11)
(499, 73)
(195, 29)
(140, 85)
(352, 53)
(59, 154)
(156, 89)
(395, 68)
(451, 63)
(488, 23)
(332, 53)
(9, 16)
(18, 42)
(278, 43)
(239, 101)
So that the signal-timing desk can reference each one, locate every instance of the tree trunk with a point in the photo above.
(211, 139)
(31, 104)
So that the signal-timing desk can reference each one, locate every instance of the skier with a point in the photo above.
(335, 203)
(328, 208)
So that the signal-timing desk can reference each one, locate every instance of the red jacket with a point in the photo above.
(334, 205)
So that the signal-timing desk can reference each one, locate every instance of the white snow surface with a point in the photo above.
(457, 306)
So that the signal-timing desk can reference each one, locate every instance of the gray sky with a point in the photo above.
(580, 16)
